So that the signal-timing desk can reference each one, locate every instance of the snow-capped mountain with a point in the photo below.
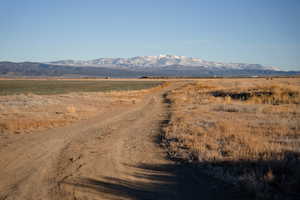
(161, 61)
(140, 66)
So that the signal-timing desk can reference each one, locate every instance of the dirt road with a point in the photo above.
(115, 155)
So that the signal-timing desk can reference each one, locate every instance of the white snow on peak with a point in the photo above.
(162, 60)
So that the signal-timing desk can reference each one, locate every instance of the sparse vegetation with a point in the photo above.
(245, 132)
(10, 87)
(63, 102)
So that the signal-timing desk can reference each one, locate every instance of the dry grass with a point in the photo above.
(25, 113)
(242, 131)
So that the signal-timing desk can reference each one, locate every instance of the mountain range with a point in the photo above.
(162, 65)
(160, 61)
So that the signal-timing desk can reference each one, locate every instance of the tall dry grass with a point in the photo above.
(247, 134)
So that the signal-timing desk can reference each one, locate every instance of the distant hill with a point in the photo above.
(152, 62)
(163, 65)
(41, 69)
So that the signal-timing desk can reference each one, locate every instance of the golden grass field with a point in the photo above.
(243, 131)
(29, 105)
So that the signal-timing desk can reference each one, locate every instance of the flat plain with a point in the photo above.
(150, 139)
(52, 86)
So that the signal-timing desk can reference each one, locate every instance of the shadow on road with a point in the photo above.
(154, 182)
(151, 182)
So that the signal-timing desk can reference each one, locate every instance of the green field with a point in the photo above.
(9, 87)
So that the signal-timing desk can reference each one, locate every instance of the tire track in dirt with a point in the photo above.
(33, 165)
(112, 156)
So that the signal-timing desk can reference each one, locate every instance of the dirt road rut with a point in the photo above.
(113, 156)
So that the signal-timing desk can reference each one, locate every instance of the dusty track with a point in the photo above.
(112, 156)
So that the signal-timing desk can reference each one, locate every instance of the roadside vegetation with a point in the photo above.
(42, 104)
(245, 132)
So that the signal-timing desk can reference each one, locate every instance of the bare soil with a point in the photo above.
(114, 154)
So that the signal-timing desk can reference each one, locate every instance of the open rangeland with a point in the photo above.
(183, 139)
(28, 105)
(245, 132)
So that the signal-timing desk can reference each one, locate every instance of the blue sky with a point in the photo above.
(251, 31)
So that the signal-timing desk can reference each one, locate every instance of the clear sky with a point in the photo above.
(251, 31)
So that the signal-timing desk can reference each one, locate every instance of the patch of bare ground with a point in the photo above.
(114, 155)
(243, 131)
(26, 113)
